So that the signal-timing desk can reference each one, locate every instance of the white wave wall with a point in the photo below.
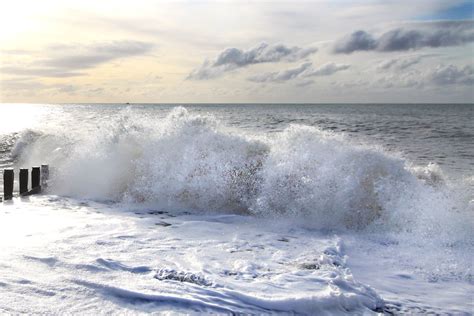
(192, 162)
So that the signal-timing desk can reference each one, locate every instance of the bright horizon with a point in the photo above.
(237, 52)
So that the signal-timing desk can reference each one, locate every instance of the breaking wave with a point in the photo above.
(193, 162)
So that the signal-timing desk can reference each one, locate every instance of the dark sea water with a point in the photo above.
(424, 133)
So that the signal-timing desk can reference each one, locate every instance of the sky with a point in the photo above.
(203, 51)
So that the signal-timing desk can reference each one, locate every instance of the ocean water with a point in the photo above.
(340, 182)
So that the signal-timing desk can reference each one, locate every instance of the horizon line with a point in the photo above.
(243, 103)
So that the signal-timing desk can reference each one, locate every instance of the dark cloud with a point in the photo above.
(359, 40)
(305, 70)
(452, 75)
(433, 34)
(234, 58)
(70, 60)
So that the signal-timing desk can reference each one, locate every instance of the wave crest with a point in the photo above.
(194, 162)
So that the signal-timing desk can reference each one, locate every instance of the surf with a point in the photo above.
(194, 162)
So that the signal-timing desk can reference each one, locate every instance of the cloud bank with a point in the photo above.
(70, 61)
(305, 70)
(234, 58)
(452, 75)
(403, 62)
(96, 54)
(441, 76)
(434, 34)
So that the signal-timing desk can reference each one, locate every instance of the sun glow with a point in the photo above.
(20, 221)
(17, 17)
(16, 117)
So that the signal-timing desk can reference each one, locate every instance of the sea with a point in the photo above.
(240, 208)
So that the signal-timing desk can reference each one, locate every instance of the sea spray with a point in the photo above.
(194, 162)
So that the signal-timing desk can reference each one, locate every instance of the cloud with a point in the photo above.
(29, 86)
(327, 69)
(280, 76)
(402, 63)
(234, 58)
(304, 83)
(96, 54)
(398, 63)
(452, 75)
(440, 76)
(433, 34)
(22, 84)
(70, 89)
(70, 61)
(359, 40)
(39, 72)
(305, 70)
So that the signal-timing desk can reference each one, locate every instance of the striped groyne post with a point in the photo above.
(23, 181)
(8, 179)
(35, 178)
(44, 176)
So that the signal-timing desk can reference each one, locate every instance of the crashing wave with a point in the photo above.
(193, 162)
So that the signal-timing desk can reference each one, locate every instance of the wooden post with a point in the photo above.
(23, 181)
(35, 178)
(8, 177)
(44, 176)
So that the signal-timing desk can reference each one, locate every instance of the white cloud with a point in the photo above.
(234, 58)
(305, 70)
(327, 69)
(402, 62)
(72, 60)
(452, 75)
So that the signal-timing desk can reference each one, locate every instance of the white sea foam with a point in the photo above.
(193, 162)
(385, 209)
(95, 259)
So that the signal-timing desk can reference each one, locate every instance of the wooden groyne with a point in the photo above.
(39, 181)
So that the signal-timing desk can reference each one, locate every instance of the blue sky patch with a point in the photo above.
(464, 11)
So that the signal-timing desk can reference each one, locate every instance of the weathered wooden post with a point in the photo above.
(8, 178)
(23, 181)
(35, 178)
(44, 176)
